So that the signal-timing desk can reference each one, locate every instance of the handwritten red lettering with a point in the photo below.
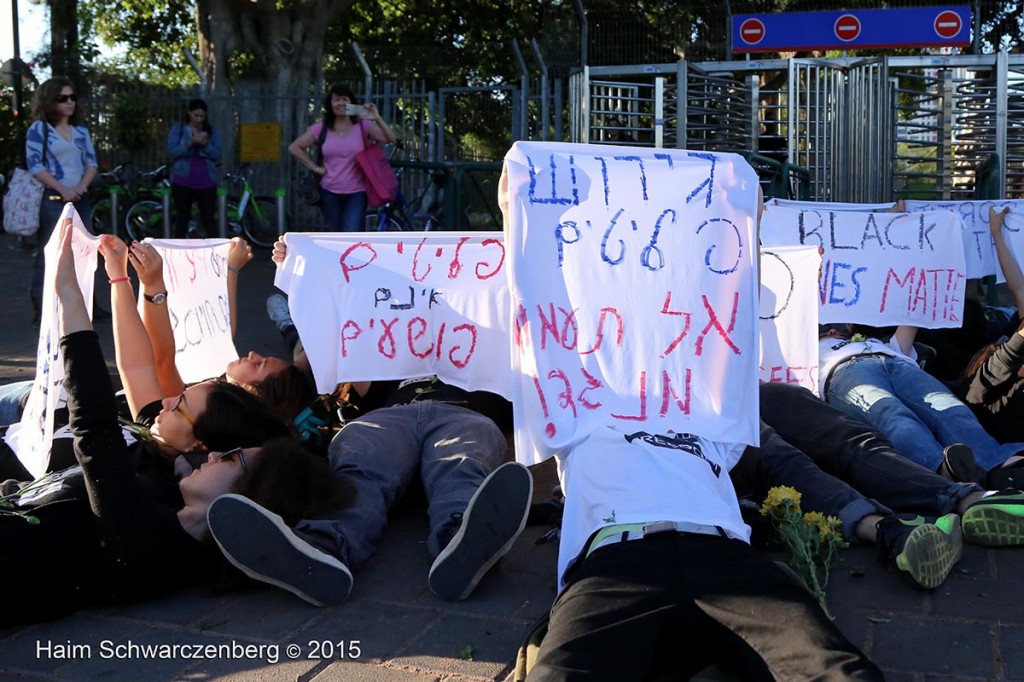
(343, 261)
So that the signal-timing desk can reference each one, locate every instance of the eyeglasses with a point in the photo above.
(229, 455)
(176, 407)
(67, 98)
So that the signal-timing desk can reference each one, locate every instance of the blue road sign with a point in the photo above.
(852, 29)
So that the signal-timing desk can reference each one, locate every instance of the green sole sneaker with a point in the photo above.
(991, 524)
(930, 553)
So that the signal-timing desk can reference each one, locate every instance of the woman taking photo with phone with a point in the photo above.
(59, 153)
(194, 148)
(344, 132)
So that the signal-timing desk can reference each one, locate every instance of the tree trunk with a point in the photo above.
(65, 52)
(282, 50)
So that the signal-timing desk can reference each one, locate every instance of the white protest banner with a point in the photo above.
(1013, 234)
(789, 315)
(880, 268)
(398, 305)
(830, 205)
(634, 293)
(195, 272)
(979, 250)
(30, 438)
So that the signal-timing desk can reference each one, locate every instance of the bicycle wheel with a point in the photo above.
(260, 222)
(101, 218)
(143, 219)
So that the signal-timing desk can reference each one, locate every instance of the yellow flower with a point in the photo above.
(780, 495)
(828, 526)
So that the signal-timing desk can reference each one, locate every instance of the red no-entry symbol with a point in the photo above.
(948, 24)
(847, 28)
(752, 31)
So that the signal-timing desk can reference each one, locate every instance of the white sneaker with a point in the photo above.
(277, 311)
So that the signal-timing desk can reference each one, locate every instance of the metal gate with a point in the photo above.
(866, 129)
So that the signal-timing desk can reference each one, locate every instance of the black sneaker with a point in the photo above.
(926, 549)
(490, 525)
(996, 520)
(958, 464)
(258, 543)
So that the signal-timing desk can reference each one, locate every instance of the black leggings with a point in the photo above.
(183, 198)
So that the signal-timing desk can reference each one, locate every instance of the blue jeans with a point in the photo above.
(841, 466)
(49, 213)
(11, 396)
(913, 409)
(343, 212)
(452, 448)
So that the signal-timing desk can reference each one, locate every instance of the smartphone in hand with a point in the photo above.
(355, 110)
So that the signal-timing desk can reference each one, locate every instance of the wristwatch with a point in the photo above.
(157, 298)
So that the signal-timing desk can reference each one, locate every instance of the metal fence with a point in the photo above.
(869, 130)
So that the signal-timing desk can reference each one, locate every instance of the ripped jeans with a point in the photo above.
(913, 409)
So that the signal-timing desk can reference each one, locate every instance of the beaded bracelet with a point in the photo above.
(233, 269)
(118, 280)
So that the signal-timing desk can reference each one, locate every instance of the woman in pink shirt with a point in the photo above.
(345, 130)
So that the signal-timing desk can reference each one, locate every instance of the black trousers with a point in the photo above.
(668, 605)
(183, 198)
(840, 446)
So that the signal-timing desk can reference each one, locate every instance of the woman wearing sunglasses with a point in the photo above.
(106, 531)
(59, 153)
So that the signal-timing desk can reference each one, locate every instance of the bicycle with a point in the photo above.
(102, 220)
(253, 215)
(398, 216)
(145, 217)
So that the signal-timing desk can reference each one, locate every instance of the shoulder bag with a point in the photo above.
(23, 198)
(308, 186)
(381, 182)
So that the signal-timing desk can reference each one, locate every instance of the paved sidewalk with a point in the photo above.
(972, 628)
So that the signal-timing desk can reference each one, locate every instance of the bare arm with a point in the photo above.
(133, 352)
(238, 256)
(298, 149)
(379, 130)
(74, 315)
(905, 336)
(156, 318)
(1007, 262)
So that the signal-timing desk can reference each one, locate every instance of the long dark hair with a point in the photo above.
(340, 91)
(194, 104)
(288, 391)
(294, 483)
(236, 418)
(44, 102)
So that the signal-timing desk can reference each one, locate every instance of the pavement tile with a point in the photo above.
(184, 607)
(493, 642)
(976, 563)
(347, 672)
(380, 628)
(930, 646)
(245, 615)
(1011, 649)
(1009, 563)
(979, 600)
(855, 625)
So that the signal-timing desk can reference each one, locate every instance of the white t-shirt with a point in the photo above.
(832, 350)
(616, 476)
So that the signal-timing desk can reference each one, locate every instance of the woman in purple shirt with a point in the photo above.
(194, 148)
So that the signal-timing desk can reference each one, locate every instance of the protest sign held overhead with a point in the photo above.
(979, 251)
(789, 315)
(880, 268)
(195, 272)
(30, 438)
(634, 292)
(395, 306)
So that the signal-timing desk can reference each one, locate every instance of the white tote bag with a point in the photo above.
(21, 204)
